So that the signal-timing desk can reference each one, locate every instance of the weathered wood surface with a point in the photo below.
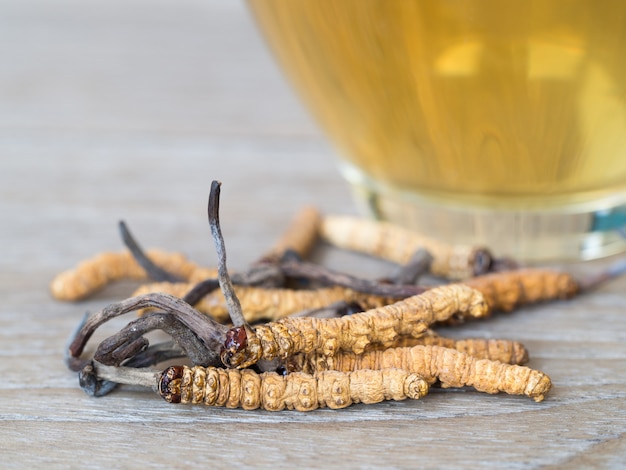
(126, 110)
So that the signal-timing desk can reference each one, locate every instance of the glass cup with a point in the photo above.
(492, 122)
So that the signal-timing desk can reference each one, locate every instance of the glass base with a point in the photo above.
(555, 234)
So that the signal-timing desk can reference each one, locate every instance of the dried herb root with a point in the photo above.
(503, 350)
(298, 391)
(448, 366)
(381, 326)
(396, 244)
(507, 290)
(93, 274)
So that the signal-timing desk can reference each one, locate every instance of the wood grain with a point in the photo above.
(127, 110)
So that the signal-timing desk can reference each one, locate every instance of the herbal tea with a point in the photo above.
(495, 103)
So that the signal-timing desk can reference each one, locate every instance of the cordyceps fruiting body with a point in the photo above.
(448, 366)
(509, 289)
(503, 350)
(394, 243)
(380, 326)
(299, 391)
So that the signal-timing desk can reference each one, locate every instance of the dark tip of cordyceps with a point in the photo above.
(169, 384)
(482, 261)
(350, 309)
(234, 352)
(236, 339)
(91, 384)
(503, 264)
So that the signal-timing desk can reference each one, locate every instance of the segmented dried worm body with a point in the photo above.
(267, 304)
(452, 368)
(509, 289)
(394, 243)
(503, 350)
(298, 391)
(95, 273)
(380, 326)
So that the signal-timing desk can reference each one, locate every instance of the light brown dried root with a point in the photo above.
(95, 273)
(452, 368)
(509, 289)
(503, 350)
(298, 391)
(381, 326)
(266, 304)
(396, 244)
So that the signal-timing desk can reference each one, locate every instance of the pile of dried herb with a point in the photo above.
(330, 339)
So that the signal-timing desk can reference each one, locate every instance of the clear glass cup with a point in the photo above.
(493, 122)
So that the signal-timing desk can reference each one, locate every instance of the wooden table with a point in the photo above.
(127, 110)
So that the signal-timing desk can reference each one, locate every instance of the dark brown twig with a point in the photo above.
(329, 277)
(92, 384)
(232, 302)
(200, 290)
(156, 354)
(154, 272)
(417, 266)
(98, 379)
(127, 342)
(207, 330)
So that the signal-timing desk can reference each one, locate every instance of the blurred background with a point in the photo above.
(140, 66)
(128, 109)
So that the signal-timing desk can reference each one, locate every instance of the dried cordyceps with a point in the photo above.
(260, 304)
(381, 326)
(509, 289)
(448, 366)
(360, 357)
(503, 350)
(394, 243)
(297, 391)
(95, 273)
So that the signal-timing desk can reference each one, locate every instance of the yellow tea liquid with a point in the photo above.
(490, 103)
